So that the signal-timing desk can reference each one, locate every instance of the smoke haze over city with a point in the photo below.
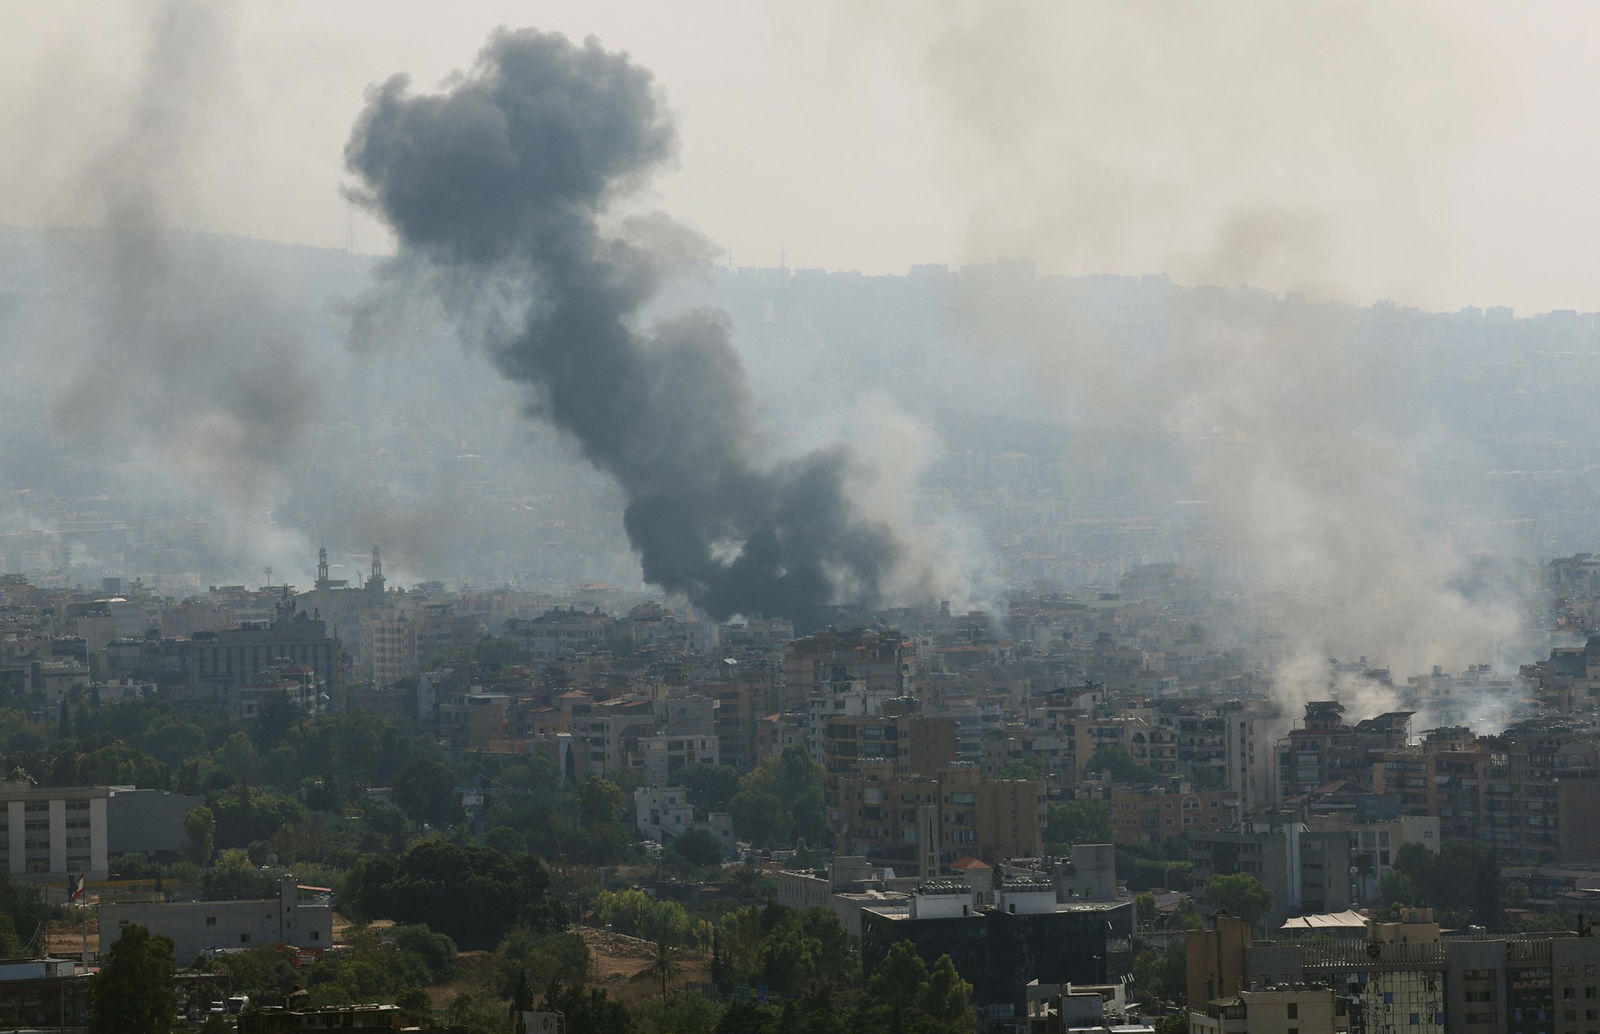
(1158, 335)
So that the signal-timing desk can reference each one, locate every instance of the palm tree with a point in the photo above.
(664, 964)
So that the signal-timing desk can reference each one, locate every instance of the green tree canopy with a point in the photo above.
(905, 997)
(1463, 877)
(697, 847)
(1121, 765)
(711, 787)
(133, 992)
(471, 894)
(1240, 894)
(1086, 820)
(782, 800)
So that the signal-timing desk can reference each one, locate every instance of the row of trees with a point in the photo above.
(804, 959)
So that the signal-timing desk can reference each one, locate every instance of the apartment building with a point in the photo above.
(881, 660)
(924, 822)
(1307, 871)
(908, 743)
(1274, 1010)
(48, 832)
(1151, 816)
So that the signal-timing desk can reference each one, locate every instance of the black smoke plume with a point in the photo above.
(502, 191)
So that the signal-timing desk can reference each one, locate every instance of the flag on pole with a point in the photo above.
(75, 886)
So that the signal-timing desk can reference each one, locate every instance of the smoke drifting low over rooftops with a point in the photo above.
(504, 193)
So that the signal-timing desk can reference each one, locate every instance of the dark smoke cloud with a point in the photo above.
(502, 191)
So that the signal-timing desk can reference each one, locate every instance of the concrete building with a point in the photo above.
(1026, 936)
(664, 814)
(44, 993)
(847, 887)
(882, 661)
(1151, 816)
(560, 635)
(909, 743)
(1090, 874)
(352, 1019)
(197, 926)
(48, 832)
(148, 822)
(1308, 872)
(1215, 960)
(924, 822)
(1374, 845)
(663, 755)
(1406, 977)
(218, 664)
(1274, 1010)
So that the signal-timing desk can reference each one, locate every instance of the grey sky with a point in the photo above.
(1438, 154)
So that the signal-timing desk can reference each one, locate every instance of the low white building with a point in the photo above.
(664, 814)
(197, 926)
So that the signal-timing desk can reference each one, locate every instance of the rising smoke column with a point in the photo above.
(502, 192)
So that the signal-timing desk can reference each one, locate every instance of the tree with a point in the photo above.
(664, 964)
(416, 1007)
(589, 1011)
(200, 835)
(599, 801)
(1027, 768)
(1398, 888)
(710, 787)
(1240, 894)
(782, 800)
(133, 992)
(1144, 906)
(471, 894)
(506, 840)
(1121, 765)
(539, 959)
(946, 1000)
(426, 792)
(905, 997)
(1083, 821)
(262, 972)
(274, 719)
(757, 816)
(1463, 876)
(698, 848)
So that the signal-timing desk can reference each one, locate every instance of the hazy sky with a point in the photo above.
(1438, 154)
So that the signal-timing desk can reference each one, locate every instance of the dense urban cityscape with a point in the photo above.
(541, 623)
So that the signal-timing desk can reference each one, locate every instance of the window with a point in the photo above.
(244, 938)
(1294, 1010)
(316, 935)
(211, 920)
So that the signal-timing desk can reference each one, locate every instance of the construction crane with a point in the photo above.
(473, 800)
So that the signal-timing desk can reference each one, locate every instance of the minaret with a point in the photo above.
(322, 567)
(375, 580)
